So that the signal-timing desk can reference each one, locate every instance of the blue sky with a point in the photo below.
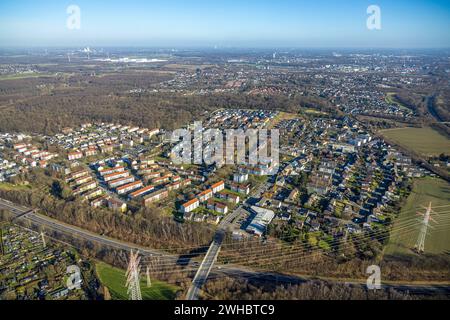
(246, 23)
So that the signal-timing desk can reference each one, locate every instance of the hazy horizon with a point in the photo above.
(415, 24)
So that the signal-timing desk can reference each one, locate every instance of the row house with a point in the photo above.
(90, 152)
(217, 206)
(75, 155)
(116, 175)
(151, 176)
(162, 180)
(190, 206)
(146, 171)
(230, 197)
(142, 192)
(99, 202)
(155, 197)
(205, 195)
(129, 187)
(117, 205)
(217, 187)
(85, 187)
(82, 180)
(240, 188)
(174, 186)
(108, 148)
(107, 171)
(93, 194)
(120, 182)
(76, 175)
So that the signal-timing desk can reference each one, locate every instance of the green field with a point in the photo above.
(390, 98)
(114, 279)
(24, 76)
(425, 141)
(425, 190)
(9, 187)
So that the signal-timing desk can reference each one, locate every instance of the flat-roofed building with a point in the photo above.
(259, 223)
(240, 177)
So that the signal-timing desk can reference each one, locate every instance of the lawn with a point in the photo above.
(425, 190)
(114, 279)
(425, 141)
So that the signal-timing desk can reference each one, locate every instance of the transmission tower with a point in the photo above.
(133, 279)
(2, 250)
(43, 239)
(420, 244)
(149, 282)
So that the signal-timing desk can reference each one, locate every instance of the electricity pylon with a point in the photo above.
(149, 282)
(2, 250)
(133, 279)
(420, 244)
(43, 239)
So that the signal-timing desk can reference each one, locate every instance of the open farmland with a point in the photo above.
(424, 141)
(403, 239)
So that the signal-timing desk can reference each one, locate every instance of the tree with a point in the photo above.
(6, 216)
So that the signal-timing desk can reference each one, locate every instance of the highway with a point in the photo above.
(207, 267)
(24, 212)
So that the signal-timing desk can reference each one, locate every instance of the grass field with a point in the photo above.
(315, 112)
(114, 279)
(24, 76)
(281, 117)
(390, 98)
(9, 187)
(425, 141)
(425, 190)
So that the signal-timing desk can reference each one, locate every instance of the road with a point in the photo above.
(211, 256)
(218, 271)
(19, 212)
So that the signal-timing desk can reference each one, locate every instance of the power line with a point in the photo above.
(299, 253)
(420, 244)
(132, 274)
(408, 222)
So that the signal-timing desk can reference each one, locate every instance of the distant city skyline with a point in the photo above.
(232, 23)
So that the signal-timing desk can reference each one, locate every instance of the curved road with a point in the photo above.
(233, 271)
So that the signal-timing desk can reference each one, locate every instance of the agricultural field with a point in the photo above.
(426, 190)
(114, 279)
(425, 141)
